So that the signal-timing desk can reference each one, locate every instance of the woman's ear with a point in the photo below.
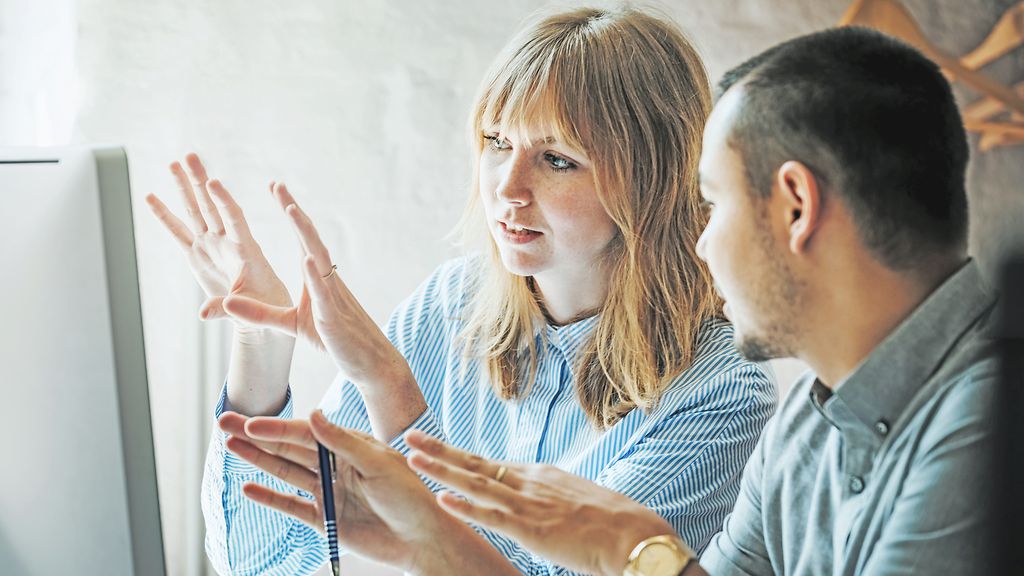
(800, 202)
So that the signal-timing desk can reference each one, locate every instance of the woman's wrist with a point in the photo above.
(266, 339)
(393, 401)
(257, 380)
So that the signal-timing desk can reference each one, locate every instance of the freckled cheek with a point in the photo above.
(584, 224)
(487, 195)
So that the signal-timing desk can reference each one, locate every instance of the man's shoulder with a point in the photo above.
(956, 401)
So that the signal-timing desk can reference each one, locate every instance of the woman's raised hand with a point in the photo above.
(330, 317)
(327, 315)
(215, 237)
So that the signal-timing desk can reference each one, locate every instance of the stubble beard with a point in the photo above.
(776, 297)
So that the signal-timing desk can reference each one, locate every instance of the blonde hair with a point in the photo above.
(631, 91)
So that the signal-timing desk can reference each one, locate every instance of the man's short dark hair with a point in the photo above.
(876, 123)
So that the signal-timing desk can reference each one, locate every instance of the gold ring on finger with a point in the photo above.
(500, 473)
(334, 270)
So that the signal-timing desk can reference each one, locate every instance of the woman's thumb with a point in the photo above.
(261, 314)
(212, 309)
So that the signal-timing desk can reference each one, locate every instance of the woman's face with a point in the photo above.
(542, 208)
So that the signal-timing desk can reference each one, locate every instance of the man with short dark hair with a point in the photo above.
(837, 160)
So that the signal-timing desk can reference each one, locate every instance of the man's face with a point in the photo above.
(744, 249)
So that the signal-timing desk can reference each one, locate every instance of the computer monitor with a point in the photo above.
(78, 491)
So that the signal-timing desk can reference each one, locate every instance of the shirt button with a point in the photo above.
(856, 484)
(882, 427)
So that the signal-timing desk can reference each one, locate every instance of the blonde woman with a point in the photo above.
(587, 334)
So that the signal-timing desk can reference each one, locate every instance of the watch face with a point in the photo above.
(659, 559)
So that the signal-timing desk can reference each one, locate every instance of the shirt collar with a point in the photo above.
(878, 391)
(570, 338)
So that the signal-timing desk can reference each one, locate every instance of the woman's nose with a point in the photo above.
(515, 186)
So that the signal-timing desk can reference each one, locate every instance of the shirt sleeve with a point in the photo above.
(740, 548)
(687, 469)
(243, 537)
(938, 523)
(246, 538)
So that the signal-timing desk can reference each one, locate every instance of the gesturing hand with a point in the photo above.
(565, 518)
(224, 257)
(331, 318)
(383, 510)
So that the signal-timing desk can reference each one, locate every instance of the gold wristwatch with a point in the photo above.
(659, 556)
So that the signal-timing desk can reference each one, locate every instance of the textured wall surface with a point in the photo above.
(361, 109)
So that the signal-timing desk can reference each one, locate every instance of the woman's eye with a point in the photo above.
(557, 163)
(498, 143)
(706, 207)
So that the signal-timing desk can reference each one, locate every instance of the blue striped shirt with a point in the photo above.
(682, 459)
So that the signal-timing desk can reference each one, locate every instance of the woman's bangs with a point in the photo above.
(528, 101)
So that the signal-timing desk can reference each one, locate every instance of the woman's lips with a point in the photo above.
(517, 235)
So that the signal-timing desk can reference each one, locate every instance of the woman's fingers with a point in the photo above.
(199, 181)
(235, 424)
(297, 475)
(280, 193)
(292, 505)
(193, 216)
(212, 309)
(235, 225)
(361, 451)
(318, 259)
(281, 430)
(281, 318)
(309, 237)
(304, 228)
(453, 458)
(319, 288)
(176, 227)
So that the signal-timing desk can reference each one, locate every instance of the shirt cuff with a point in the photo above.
(425, 423)
(233, 464)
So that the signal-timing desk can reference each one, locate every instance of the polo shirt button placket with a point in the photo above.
(856, 484)
(882, 427)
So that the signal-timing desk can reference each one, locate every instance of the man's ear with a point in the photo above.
(801, 202)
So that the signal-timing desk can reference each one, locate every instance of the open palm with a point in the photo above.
(383, 510)
(222, 253)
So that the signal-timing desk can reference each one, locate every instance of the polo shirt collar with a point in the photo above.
(876, 394)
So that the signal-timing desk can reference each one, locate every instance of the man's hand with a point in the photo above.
(565, 518)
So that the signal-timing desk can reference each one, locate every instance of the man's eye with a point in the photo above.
(498, 143)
